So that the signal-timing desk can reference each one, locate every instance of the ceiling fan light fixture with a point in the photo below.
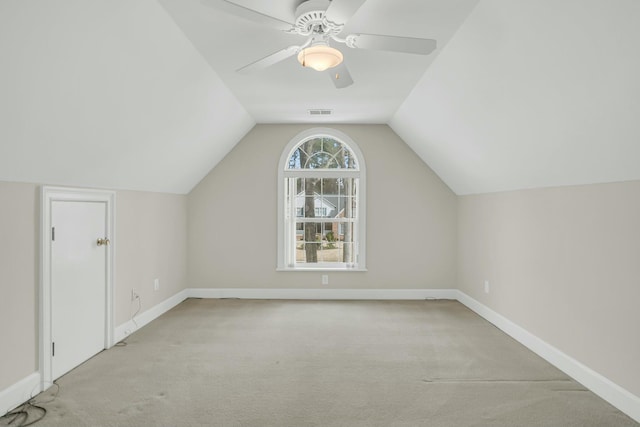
(320, 57)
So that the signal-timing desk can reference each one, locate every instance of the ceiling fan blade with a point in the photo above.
(269, 60)
(340, 11)
(392, 43)
(248, 14)
(340, 76)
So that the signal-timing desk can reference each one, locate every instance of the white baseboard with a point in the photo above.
(146, 317)
(323, 294)
(129, 327)
(622, 399)
(19, 393)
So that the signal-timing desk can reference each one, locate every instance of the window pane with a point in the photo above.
(295, 161)
(320, 161)
(310, 244)
(300, 253)
(350, 207)
(332, 186)
(322, 153)
(333, 243)
(347, 237)
(321, 216)
(329, 253)
(326, 198)
(348, 254)
(348, 160)
(308, 202)
(313, 145)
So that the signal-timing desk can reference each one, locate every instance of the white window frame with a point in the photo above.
(286, 241)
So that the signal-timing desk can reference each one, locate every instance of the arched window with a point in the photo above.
(321, 210)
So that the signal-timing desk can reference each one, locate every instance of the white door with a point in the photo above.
(78, 283)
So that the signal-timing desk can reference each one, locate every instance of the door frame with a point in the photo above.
(48, 195)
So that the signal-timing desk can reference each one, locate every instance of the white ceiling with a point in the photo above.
(286, 91)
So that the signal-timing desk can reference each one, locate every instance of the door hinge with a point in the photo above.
(53, 233)
(53, 349)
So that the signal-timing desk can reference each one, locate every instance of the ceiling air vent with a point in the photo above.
(320, 112)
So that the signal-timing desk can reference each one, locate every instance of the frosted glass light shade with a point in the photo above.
(320, 57)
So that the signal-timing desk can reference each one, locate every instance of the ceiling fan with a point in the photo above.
(322, 22)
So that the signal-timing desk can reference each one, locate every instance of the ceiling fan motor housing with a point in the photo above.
(310, 19)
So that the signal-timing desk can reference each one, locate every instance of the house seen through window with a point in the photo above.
(322, 210)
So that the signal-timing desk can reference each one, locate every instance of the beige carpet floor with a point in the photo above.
(322, 363)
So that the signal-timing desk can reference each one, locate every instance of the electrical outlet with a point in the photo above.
(325, 279)
(156, 284)
(486, 286)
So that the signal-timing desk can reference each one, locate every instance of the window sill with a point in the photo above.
(316, 269)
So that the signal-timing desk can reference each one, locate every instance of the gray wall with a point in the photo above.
(19, 210)
(151, 243)
(411, 217)
(563, 263)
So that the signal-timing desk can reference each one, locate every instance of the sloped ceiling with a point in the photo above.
(532, 94)
(108, 93)
(112, 93)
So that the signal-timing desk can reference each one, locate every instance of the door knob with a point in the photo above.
(104, 241)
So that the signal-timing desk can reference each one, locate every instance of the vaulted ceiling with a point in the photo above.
(284, 92)
(143, 94)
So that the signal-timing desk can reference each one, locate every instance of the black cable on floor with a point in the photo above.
(22, 412)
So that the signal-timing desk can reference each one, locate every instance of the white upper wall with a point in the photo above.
(108, 93)
(532, 94)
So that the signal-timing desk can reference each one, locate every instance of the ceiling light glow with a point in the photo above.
(320, 57)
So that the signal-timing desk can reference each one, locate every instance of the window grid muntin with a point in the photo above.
(348, 157)
(292, 183)
(286, 222)
(338, 200)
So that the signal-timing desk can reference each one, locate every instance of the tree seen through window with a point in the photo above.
(321, 181)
